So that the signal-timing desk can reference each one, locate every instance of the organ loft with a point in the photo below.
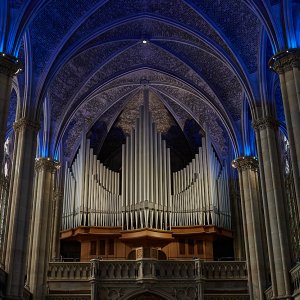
(145, 208)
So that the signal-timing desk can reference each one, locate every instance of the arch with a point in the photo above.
(146, 296)
(140, 293)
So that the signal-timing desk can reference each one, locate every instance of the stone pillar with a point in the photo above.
(252, 223)
(40, 234)
(274, 206)
(9, 66)
(4, 183)
(20, 206)
(57, 215)
(287, 65)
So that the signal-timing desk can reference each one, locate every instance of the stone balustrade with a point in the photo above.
(68, 297)
(269, 293)
(227, 297)
(69, 271)
(295, 276)
(194, 278)
(145, 268)
(224, 270)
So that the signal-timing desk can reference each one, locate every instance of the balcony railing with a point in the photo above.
(295, 276)
(224, 270)
(145, 268)
(69, 271)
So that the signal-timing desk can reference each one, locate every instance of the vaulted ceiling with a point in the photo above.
(200, 59)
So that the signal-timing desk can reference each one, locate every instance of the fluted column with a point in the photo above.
(9, 66)
(287, 65)
(274, 205)
(40, 234)
(57, 215)
(20, 206)
(247, 167)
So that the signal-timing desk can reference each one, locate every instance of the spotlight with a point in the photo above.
(145, 42)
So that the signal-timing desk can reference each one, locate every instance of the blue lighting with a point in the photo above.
(297, 31)
(56, 156)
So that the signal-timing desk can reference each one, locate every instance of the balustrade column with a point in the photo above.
(287, 65)
(252, 224)
(274, 205)
(95, 290)
(20, 206)
(40, 235)
(9, 66)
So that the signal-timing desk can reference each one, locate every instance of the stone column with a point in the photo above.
(287, 65)
(40, 234)
(9, 66)
(274, 205)
(4, 184)
(20, 206)
(57, 215)
(252, 223)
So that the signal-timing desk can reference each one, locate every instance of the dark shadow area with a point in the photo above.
(223, 249)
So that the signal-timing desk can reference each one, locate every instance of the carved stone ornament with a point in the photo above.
(245, 163)
(9, 65)
(46, 164)
(263, 123)
(25, 123)
(285, 61)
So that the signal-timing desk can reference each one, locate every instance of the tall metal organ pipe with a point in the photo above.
(144, 197)
(147, 203)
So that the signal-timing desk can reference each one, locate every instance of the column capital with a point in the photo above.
(245, 163)
(285, 60)
(26, 123)
(9, 65)
(266, 122)
(46, 164)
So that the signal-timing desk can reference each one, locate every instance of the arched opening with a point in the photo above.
(147, 296)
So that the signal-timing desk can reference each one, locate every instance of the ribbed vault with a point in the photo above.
(200, 59)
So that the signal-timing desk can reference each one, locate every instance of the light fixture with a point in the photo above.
(145, 42)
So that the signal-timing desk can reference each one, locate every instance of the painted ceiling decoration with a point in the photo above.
(203, 61)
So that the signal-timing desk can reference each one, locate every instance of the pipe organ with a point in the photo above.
(91, 194)
(200, 191)
(146, 179)
(146, 194)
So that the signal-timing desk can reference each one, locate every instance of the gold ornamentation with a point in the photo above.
(263, 123)
(245, 163)
(25, 123)
(46, 164)
(285, 61)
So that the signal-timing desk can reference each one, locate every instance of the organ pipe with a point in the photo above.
(147, 194)
(201, 195)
